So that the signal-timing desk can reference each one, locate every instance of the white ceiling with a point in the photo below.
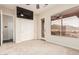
(31, 7)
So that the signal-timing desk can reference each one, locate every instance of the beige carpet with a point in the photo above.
(35, 47)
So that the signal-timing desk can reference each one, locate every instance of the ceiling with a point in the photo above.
(31, 7)
(74, 11)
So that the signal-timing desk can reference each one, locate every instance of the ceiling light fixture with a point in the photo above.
(22, 15)
(38, 5)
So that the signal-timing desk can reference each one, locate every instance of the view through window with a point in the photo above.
(66, 27)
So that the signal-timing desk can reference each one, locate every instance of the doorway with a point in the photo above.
(43, 28)
(6, 28)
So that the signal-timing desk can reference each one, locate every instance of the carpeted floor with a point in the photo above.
(35, 47)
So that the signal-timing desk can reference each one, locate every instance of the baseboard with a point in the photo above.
(43, 39)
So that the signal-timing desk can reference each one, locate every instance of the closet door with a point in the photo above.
(10, 28)
(5, 28)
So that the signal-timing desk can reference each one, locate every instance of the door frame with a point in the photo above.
(2, 26)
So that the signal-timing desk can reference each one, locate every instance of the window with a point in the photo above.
(56, 27)
(68, 27)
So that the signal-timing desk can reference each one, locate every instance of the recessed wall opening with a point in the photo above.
(43, 27)
(7, 28)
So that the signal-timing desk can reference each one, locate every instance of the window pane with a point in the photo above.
(71, 26)
(55, 27)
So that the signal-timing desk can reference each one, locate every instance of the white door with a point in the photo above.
(7, 28)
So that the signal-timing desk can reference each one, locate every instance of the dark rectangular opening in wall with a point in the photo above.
(24, 13)
(42, 27)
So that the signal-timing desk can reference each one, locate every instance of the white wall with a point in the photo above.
(24, 29)
(47, 15)
(35, 26)
(65, 41)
